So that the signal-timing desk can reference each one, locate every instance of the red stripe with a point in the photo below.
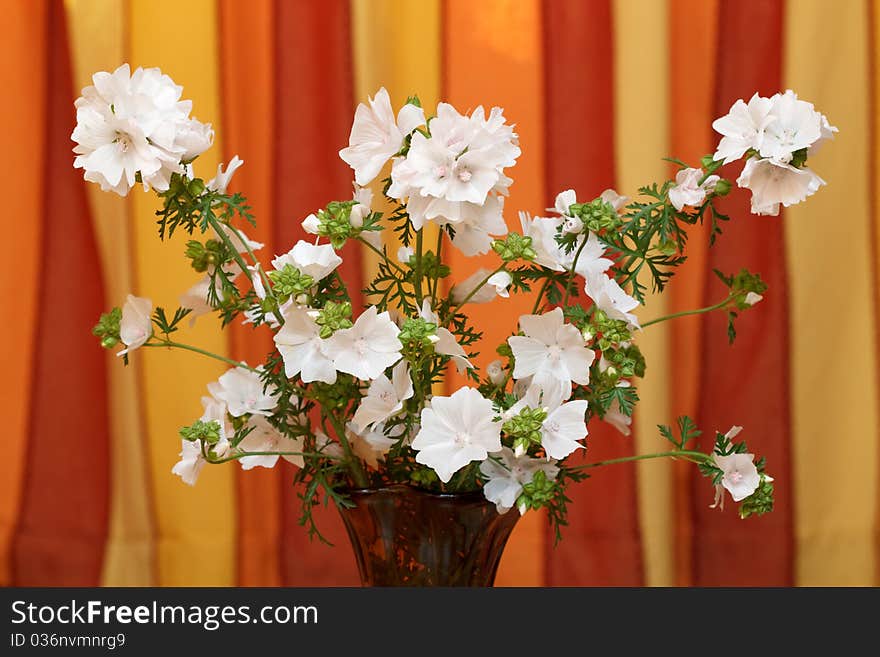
(601, 547)
(314, 109)
(63, 525)
(747, 384)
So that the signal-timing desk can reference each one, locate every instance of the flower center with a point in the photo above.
(440, 171)
(386, 397)
(360, 346)
(735, 477)
(554, 352)
(123, 141)
(464, 175)
(552, 426)
(462, 438)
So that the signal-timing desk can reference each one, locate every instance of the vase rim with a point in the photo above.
(398, 488)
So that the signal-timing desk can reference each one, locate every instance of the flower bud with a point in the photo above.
(587, 335)
(311, 224)
(572, 225)
(495, 372)
(522, 508)
(722, 187)
(109, 342)
(752, 298)
(519, 450)
(358, 213)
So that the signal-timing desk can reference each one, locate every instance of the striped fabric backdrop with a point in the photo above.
(600, 91)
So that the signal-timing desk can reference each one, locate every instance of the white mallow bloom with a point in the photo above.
(495, 286)
(193, 138)
(446, 343)
(591, 261)
(384, 397)
(315, 260)
(220, 182)
(742, 128)
(376, 136)
(773, 183)
(373, 444)
(495, 372)
(688, 191)
(741, 478)
(216, 411)
(480, 226)
(795, 125)
(311, 224)
(135, 327)
(551, 352)
(360, 211)
(302, 349)
(614, 199)
(266, 438)
(243, 393)
(456, 430)
(617, 419)
(564, 201)
(504, 480)
(543, 231)
(611, 298)
(565, 424)
(191, 462)
(367, 348)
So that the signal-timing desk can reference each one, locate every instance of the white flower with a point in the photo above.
(311, 224)
(193, 138)
(564, 201)
(795, 125)
(505, 480)
(828, 132)
(216, 411)
(479, 226)
(552, 352)
(543, 232)
(135, 327)
(610, 297)
(446, 343)
(752, 298)
(266, 438)
(688, 191)
(360, 211)
(384, 397)
(617, 419)
(455, 431)
(565, 424)
(302, 349)
(774, 183)
(495, 286)
(614, 199)
(742, 128)
(243, 392)
(591, 261)
(741, 477)
(373, 444)
(366, 349)
(220, 182)
(376, 136)
(191, 462)
(404, 253)
(315, 260)
(495, 372)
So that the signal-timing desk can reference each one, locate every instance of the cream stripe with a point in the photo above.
(641, 140)
(833, 377)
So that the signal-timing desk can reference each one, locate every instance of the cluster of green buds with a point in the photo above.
(759, 502)
(515, 247)
(290, 282)
(626, 360)
(333, 317)
(417, 337)
(537, 493)
(597, 215)
(424, 477)
(334, 222)
(181, 186)
(334, 397)
(746, 288)
(107, 328)
(606, 332)
(212, 253)
(524, 429)
(207, 432)
(431, 265)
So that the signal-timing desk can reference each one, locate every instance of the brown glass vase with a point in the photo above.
(403, 536)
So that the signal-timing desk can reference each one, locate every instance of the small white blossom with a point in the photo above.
(243, 393)
(367, 348)
(688, 191)
(614, 199)
(795, 125)
(220, 182)
(495, 286)
(752, 298)
(741, 478)
(384, 398)
(504, 480)
(135, 327)
(495, 372)
(742, 128)
(456, 430)
(446, 344)
(302, 349)
(617, 419)
(315, 260)
(266, 438)
(191, 462)
(773, 183)
(373, 444)
(311, 224)
(610, 298)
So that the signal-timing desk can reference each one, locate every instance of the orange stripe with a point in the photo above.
(493, 56)
(24, 39)
(692, 26)
(247, 69)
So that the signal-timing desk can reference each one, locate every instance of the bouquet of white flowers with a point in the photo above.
(356, 401)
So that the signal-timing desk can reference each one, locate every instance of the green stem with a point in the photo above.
(242, 455)
(198, 350)
(382, 255)
(572, 272)
(266, 282)
(698, 311)
(541, 292)
(687, 454)
(439, 261)
(475, 290)
(417, 281)
(357, 469)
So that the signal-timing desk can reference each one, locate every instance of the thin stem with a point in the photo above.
(242, 455)
(382, 255)
(198, 350)
(439, 261)
(541, 292)
(572, 272)
(265, 278)
(698, 311)
(357, 470)
(475, 290)
(216, 225)
(417, 282)
(686, 454)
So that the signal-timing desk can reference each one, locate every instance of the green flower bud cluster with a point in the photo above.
(722, 187)
(424, 477)
(608, 332)
(628, 361)
(212, 253)
(416, 335)
(334, 222)
(741, 285)
(525, 428)
(537, 493)
(290, 282)
(759, 502)
(207, 432)
(515, 247)
(107, 328)
(596, 215)
(335, 396)
(333, 317)
(431, 266)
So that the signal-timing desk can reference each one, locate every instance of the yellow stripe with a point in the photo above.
(641, 140)
(196, 526)
(98, 44)
(833, 375)
(396, 45)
